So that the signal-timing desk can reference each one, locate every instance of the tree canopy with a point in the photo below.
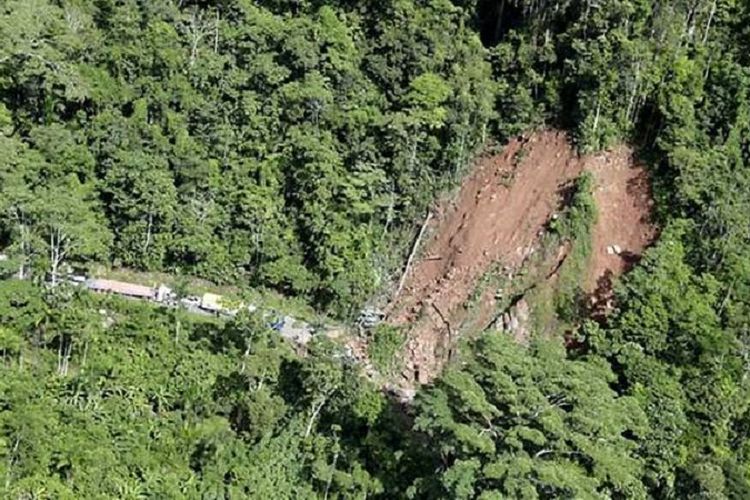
(292, 145)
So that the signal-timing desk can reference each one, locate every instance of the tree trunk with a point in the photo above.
(58, 253)
(596, 117)
(216, 32)
(66, 358)
(85, 353)
(54, 248)
(412, 254)
(177, 331)
(11, 459)
(631, 101)
(314, 415)
(197, 32)
(330, 478)
(389, 214)
(149, 228)
(498, 22)
(460, 158)
(24, 251)
(708, 23)
(59, 356)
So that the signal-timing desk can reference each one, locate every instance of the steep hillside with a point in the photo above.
(497, 221)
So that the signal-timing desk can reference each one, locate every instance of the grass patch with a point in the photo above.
(575, 225)
(492, 278)
(385, 344)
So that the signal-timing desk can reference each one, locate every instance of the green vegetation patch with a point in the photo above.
(385, 346)
(575, 225)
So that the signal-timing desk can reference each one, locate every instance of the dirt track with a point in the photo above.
(496, 218)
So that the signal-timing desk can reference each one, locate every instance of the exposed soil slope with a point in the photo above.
(496, 219)
(624, 204)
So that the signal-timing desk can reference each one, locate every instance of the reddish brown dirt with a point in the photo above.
(624, 204)
(497, 217)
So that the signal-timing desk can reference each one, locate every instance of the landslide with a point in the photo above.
(496, 220)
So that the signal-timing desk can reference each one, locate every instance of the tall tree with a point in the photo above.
(69, 224)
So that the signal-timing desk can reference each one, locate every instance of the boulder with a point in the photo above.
(515, 321)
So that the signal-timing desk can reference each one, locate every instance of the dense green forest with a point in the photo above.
(294, 145)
